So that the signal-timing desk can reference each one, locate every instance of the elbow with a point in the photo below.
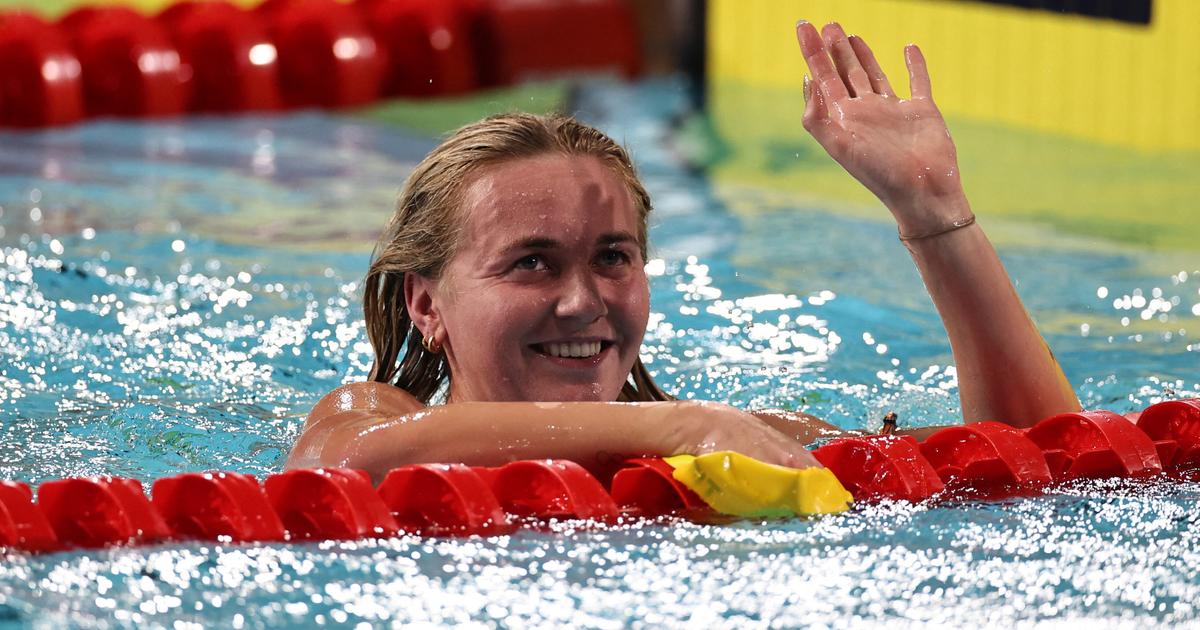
(307, 451)
(351, 445)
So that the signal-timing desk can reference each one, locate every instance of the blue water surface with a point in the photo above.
(175, 296)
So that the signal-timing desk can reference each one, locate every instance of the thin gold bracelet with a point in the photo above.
(957, 224)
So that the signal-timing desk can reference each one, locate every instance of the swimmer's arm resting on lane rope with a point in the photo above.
(806, 429)
(377, 427)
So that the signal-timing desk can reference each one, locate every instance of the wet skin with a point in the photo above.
(548, 255)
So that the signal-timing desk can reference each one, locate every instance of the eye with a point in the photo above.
(532, 262)
(613, 258)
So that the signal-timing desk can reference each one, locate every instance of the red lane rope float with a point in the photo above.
(329, 504)
(443, 499)
(881, 467)
(228, 60)
(327, 56)
(1095, 444)
(458, 500)
(100, 511)
(40, 82)
(22, 524)
(130, 66)
(1175, 428)
(550, 489)
(431, 47)
(216, 57)
(212, 506)
(647, 487)
(986, 454)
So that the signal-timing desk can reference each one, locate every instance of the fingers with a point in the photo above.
(879, 80)
(796, 456)
(806, 459)
(848, 66)
(918, 73)
(824, 74)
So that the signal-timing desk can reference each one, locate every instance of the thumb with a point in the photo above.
(816, 110)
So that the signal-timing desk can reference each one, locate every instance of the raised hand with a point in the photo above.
(901, 151)
(898, 148)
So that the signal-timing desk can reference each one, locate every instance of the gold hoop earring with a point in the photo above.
(431, 345)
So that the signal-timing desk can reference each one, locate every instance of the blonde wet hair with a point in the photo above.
(422, 236)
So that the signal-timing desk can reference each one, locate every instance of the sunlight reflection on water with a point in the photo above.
(168, 303)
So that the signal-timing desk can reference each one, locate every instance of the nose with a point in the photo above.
(581, 299)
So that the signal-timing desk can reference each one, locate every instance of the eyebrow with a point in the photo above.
(542, 242)
(614, 238)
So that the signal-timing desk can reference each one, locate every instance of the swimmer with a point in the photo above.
(507, 299)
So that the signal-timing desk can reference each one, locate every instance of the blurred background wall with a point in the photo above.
(1082, 116)
(1120, 82)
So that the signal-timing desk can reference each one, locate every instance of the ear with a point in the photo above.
(419, 294)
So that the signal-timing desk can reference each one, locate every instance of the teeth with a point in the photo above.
(572, 349)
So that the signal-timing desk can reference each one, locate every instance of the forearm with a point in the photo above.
(491, 434)
(807, 429)
(597, 435)
(802, 427)
(1006, 371)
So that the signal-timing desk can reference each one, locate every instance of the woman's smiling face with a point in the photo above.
(546, 297)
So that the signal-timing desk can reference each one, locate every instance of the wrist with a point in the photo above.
(691, 424)
(680, 423)
(929, 215)
(952, 226)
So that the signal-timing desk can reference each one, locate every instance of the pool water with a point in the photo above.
(175, 296)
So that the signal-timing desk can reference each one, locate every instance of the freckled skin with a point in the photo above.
(537, 263)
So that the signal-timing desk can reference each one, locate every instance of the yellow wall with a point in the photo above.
(1121, 84)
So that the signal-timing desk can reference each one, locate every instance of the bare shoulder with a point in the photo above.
(369, 397)
(333, 418)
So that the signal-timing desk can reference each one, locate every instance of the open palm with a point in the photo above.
(898, 148)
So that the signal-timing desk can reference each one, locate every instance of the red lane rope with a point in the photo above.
(216, 57)
(987, 458)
